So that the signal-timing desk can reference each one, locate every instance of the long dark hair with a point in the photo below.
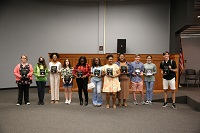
(64, 65)
(43, 63)
(79, 61)
(93, 62)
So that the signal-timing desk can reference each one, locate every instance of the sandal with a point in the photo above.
(124, 104)
(107, 106)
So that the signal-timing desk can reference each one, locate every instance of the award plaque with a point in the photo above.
(42, 72)
(79, 74)
(165, 70)
(137, 71)
(109, 71)
(149, 72)
(96, 72)
(67, 79)
(123, 69)
(24, 73)
(53, 69)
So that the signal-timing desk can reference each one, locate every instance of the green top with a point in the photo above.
(151, 68)
(37, 75)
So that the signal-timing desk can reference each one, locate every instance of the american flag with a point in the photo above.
(181, 60)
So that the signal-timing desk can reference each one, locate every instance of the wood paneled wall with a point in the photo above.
(157, 58)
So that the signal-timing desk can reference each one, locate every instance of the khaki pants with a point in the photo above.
(55, 86)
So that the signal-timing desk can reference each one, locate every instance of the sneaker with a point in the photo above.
(18, 104)
(69, 102)
(66, 101)
(150, 103)
(28, 103)
(147, 102)
(165, 104)
(174, 106)
(143, 103)
(135, 103)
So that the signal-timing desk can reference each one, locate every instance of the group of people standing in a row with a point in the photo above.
(117, 77)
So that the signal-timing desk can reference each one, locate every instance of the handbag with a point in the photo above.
(91, 85)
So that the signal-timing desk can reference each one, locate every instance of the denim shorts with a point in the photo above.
(68, 85)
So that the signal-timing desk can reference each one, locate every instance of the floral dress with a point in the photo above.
(111, 84)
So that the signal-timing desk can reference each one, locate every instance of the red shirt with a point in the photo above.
(85, 70)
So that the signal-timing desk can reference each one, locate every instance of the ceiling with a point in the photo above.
(193, 31)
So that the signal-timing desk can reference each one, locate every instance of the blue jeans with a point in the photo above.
(97, 99)
(149, 90)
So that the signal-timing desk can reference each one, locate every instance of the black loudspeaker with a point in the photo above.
(121, 45)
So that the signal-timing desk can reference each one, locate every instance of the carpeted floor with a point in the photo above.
(62, 118)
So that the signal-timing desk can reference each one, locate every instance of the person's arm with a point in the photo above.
(74, 72)
(59, 67)
(92, 74)
(133, 71)
(62, 73)
(142, 70)
(35, 71)
(88, 71)
(118, 72)
(16, 71)
(161, 67)
(173, 68)
(46, 72)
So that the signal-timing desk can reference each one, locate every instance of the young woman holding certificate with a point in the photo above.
(124, 79)
(149, 78)
(82, 71)
(97, 80)
(111, 82)
(23, 73)
(40, 73)
(67, 76)
(54, 68)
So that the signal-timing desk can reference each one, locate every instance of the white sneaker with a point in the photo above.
(69, 101)
(66, 101)
(147, 102)
(150, 102)
(135, 102)
(28, 103)
(17, 104)
(143, 103)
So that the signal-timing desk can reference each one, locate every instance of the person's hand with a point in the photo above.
(134, 74)
(92, 75)
(20, 76)
(70, 81)
(170, 67)
(64, 81)
(84, 76)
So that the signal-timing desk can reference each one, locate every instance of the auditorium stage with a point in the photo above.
(62, 118)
